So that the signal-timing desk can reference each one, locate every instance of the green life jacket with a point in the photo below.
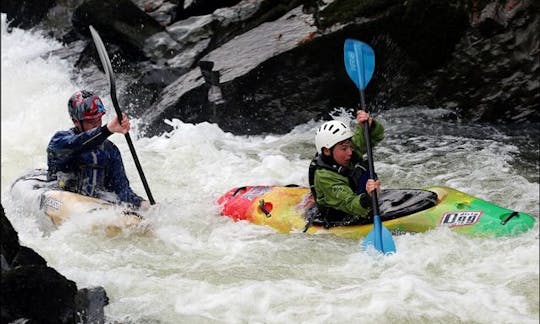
(356, 175)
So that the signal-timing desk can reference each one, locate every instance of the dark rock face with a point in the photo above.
(39, 293)
(494, 74)
(33, 292)
(258, 90)
(265, 66)
(89, 303)
(26, 13)
(291, 71)
(202, 7)
(10, 240)
(27, 257)
(119, 19)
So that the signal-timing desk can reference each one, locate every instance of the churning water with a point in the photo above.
(198, 267)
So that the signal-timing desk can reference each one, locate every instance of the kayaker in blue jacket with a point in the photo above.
(338, 174)
(84, 161)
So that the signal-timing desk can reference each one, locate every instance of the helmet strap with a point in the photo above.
(78, 124)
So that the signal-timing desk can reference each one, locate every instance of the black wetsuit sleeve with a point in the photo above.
(97, 138)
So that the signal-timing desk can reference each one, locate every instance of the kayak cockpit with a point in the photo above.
(393, 203)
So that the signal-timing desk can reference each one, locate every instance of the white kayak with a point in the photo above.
(35, 193)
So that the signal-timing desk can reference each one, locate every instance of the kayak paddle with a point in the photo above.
(104, 57)
(360, 64)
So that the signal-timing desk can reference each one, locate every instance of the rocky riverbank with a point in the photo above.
(266, 66)
(33, 292)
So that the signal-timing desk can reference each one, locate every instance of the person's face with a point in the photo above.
(342, 152)
(88, 124)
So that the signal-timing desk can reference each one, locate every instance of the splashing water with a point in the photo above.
(196, 266)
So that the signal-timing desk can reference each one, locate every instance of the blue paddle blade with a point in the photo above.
(359, 62)
(380, 238)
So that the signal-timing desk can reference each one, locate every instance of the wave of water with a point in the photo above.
(198, 267)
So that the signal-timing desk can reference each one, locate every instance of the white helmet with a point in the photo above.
(331, 133)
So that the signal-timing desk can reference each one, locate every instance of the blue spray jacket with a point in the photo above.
(89, 164)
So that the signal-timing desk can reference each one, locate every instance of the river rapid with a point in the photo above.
(198, 267)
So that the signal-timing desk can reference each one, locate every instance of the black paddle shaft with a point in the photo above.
(131, 147)
(107, 67)
(374, 200)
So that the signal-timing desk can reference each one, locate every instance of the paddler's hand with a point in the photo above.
(362, 116)
(145, 205)
(373, 185)
(115, 127)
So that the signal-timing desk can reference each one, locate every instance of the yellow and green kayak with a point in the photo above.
(292, 209)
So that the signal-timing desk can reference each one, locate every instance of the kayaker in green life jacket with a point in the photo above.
(339, 175)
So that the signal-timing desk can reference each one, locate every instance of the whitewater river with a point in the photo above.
(199, 267)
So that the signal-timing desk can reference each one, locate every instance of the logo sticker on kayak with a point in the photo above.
(460, 218)
(52, 203)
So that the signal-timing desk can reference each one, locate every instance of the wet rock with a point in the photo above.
(127, 25)
(26, 13)
(191, 8)
(493, 73)
(245, 92)
(33, 292)
(90, 303)
(9, 239)
(27, 257)
(477, 58)
(39, 293)
(164, 14)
